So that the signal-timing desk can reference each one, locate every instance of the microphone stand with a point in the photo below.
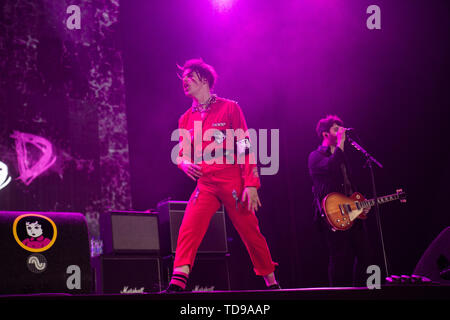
(369, 161)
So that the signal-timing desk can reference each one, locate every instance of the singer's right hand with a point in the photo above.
(340, 135)
(340, 138)
(192, 170)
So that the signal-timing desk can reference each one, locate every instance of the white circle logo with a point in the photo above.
(36, 263)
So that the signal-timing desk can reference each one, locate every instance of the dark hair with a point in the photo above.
(204, 70)
(326, 123)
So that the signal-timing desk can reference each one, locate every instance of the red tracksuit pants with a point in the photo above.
(212, 189)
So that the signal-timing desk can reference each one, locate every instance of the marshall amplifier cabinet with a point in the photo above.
(129, 232)
(126, 274)
(170, 216)
(210, 273)
(44, 252)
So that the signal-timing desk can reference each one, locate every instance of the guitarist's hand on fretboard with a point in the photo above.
(363, 215)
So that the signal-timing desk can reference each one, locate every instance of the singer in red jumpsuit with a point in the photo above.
(214, 151)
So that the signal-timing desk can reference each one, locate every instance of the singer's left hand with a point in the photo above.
(251, 194)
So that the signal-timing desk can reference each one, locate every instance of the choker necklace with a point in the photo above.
(203, 107)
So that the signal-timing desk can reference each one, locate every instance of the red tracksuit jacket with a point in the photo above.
(223, 114)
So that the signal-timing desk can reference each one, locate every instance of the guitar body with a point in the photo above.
(341, 210)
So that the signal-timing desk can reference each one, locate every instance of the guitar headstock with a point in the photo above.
(401, 195)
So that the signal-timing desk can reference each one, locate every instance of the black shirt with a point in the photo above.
(329, 173)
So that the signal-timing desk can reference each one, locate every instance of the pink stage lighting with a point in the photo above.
(223, 5)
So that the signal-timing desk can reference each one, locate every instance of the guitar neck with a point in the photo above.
(380, 200)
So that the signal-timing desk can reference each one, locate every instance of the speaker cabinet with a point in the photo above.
(170, 217)
(129, 232)
(210, 273)
(435, 260)
(127, 274)
(44, 252)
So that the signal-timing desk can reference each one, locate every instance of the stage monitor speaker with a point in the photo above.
(209, 273)
(44, 252)
(434, 263)
(170, 217)
(127, 274)
(129, 232)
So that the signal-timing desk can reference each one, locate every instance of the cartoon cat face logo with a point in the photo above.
(35, 233)
(36, 240)
(34, 229)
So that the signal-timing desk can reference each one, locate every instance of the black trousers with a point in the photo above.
(349, 254)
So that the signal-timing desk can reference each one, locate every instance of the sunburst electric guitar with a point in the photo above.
(341, 210)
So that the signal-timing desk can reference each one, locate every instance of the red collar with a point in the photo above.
(40, 238)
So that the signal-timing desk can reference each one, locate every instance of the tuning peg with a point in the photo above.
(401, 191)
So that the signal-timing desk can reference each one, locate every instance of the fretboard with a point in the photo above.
(381, 200)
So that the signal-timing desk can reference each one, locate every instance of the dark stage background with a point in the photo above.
(107, 97)
(288, 64)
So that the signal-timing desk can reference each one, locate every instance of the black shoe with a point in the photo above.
(275, 286)
(172, 288)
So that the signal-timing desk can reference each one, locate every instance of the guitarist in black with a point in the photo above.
(329, 171)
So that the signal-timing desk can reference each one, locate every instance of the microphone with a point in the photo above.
(349, 133)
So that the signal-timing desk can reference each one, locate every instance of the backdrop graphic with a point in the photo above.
(63, 132)
(105, 98)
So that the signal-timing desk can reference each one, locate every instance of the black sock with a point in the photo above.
(179, 279)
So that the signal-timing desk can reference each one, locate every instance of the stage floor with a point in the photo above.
(402, 301)
(397, 292)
